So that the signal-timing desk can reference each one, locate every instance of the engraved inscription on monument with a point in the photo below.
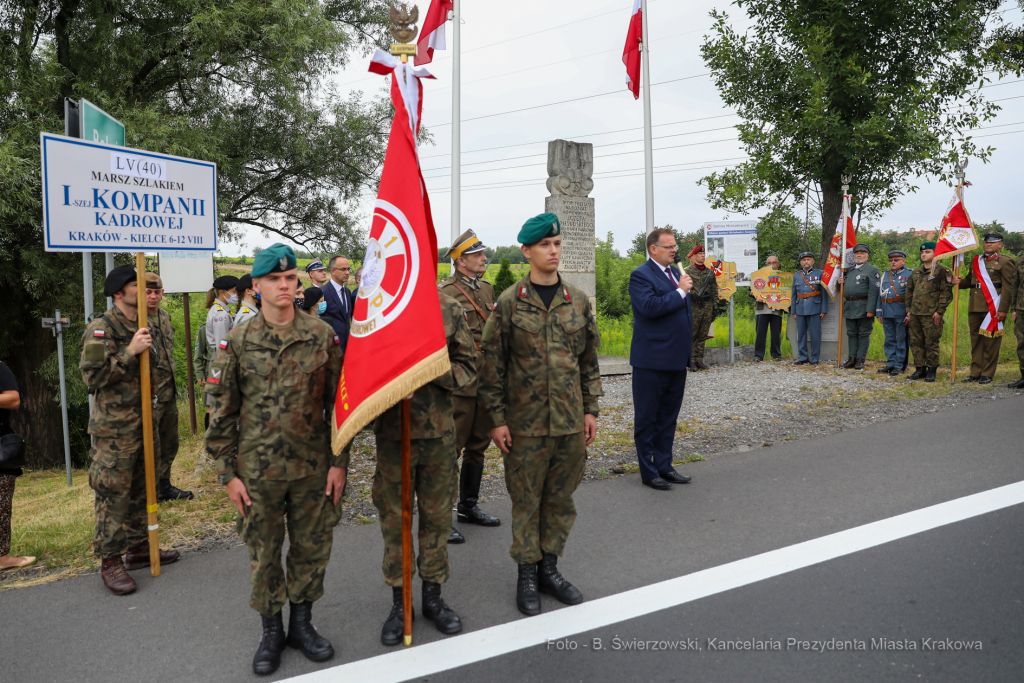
(570, 167)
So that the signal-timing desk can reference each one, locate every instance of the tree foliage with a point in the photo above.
(505, 278)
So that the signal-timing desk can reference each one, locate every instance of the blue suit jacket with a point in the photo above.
(338, 318)
(662, 320)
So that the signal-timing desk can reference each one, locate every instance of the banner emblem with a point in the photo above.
(390, 267)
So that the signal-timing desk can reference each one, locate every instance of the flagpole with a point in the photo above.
(842, 267)
(407, 520)
(456, 124)
(956, 271)
(648, 145)
(147, 424)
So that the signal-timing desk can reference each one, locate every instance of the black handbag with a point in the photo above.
(12, 451)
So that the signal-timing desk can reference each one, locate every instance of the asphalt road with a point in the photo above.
(961, 581)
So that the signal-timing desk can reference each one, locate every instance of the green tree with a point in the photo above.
(685, 240)
(612, 279)
(505, 278)
(884, 91)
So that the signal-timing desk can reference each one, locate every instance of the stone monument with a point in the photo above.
(570, 167)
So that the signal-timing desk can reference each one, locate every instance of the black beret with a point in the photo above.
(312, 296)
(225, 282)
(117, 279)
(244, 283)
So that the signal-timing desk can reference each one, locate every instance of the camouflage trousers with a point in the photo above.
(310, 516)
(924, 340)
(703, 317)
(541, 474)
(166, 418)
(118, 476)
(1018, 331)
(858, 336)
(432, 462)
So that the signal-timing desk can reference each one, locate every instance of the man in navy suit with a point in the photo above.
(340, 300)
(660, 354)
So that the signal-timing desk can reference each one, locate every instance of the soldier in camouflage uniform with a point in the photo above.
(272, 386)
(928, 292)
(165, 410)
(472, 431)
(201, 364)
(1015, 293)
(433, 461)
(1000, 270)
(540, 385)
(859, 305)
(704, 300)
(110, 369)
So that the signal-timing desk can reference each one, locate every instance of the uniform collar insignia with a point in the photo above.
(523, 292)
(565, 293)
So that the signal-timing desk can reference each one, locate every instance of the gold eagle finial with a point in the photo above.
(403, 20)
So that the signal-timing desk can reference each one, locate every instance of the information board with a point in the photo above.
(734, 241)
(186, 271)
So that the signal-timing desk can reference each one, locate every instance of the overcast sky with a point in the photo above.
(538, 53)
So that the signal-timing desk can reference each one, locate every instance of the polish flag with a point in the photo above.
(631, 53)
(837, 256)
(432, 32)
(956, 233)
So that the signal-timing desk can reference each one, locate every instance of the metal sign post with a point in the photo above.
(57, 324)
(732, 332)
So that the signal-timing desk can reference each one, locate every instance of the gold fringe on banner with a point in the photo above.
(427, 370)
(991, 335)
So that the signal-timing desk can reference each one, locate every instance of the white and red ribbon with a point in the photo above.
(405, 79)
(991, 326)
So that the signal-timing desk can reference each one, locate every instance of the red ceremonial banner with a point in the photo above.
(397, 342)
(956, 231)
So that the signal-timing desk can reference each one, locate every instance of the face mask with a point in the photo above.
(258, 296)
(321, 307)
(299, 302)
(233, 299)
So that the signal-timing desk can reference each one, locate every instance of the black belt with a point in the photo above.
(856, 298)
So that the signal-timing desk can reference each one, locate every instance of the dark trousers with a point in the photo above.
(763, 322)
(657, 397)
(808, 344)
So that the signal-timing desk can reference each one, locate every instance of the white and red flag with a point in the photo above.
(432, 32)
(956, 232)
(837, 255)
(631, 53)
(397, 342)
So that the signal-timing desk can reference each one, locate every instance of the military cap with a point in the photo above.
(897, 253)
(539, 227)
(315, 264)
(862, 247)
(993, 236)
(928, 245)
(225, 282)
(467, 243)
(696, 250)
(153, 281)
(311, 297)
(277, 258)
(117, 279)
(805, 254)
(244, 283)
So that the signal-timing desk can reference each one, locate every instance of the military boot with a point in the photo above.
(919, 372)
(164, 491)
(984, 380)
(1019, 384)
(469, 491)
(268, 654)
(850, 362)
(553, 583)
(302, 634)
(394, 626)
(527, 597)
(137, 557)
(930, 374)
(455, 537)
(969, 379)
(434, 608)
(115, 578)
(859, 365)
(701, 366)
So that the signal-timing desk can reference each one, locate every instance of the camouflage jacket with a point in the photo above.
(861, 291)
(432, 407)
(201, 354)
(163, 367)
(700, 279)
(273, 395)
(928, 293)
(482, 293)
(1001, 269)
(1016, 289)
(540, 372)
(111, 372)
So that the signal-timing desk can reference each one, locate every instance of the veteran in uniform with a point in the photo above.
(859, 305)
(1015, 292)
(704, 301)
(540, 385)
(248, 307)
(273, 385)
(472, 431)
(809, 305)
(985, 343)
(892, 312)
(111, 346)
(433, 462)
(928, 293)
(165, 406)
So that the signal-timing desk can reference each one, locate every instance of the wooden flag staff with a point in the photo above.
(842, 270)
(147, 424)
(961, 167)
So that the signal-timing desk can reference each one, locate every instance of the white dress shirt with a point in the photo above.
(671, 277)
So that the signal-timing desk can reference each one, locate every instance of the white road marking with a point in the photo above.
(442, 655)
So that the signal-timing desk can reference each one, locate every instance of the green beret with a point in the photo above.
(539, 227)
(928, 245)
(276, 258)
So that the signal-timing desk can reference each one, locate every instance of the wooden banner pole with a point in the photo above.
(147, 424)
(956, 319)
(407, 519)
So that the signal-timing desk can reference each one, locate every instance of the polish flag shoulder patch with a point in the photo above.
(223, 343)
(337, 340)
(99, 333)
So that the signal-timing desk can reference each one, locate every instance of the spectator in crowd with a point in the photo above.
(359, 277)
(10, 400)
(766, 318)
(313, 301)
(249, 305)
(339, 298)
(317, 273)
